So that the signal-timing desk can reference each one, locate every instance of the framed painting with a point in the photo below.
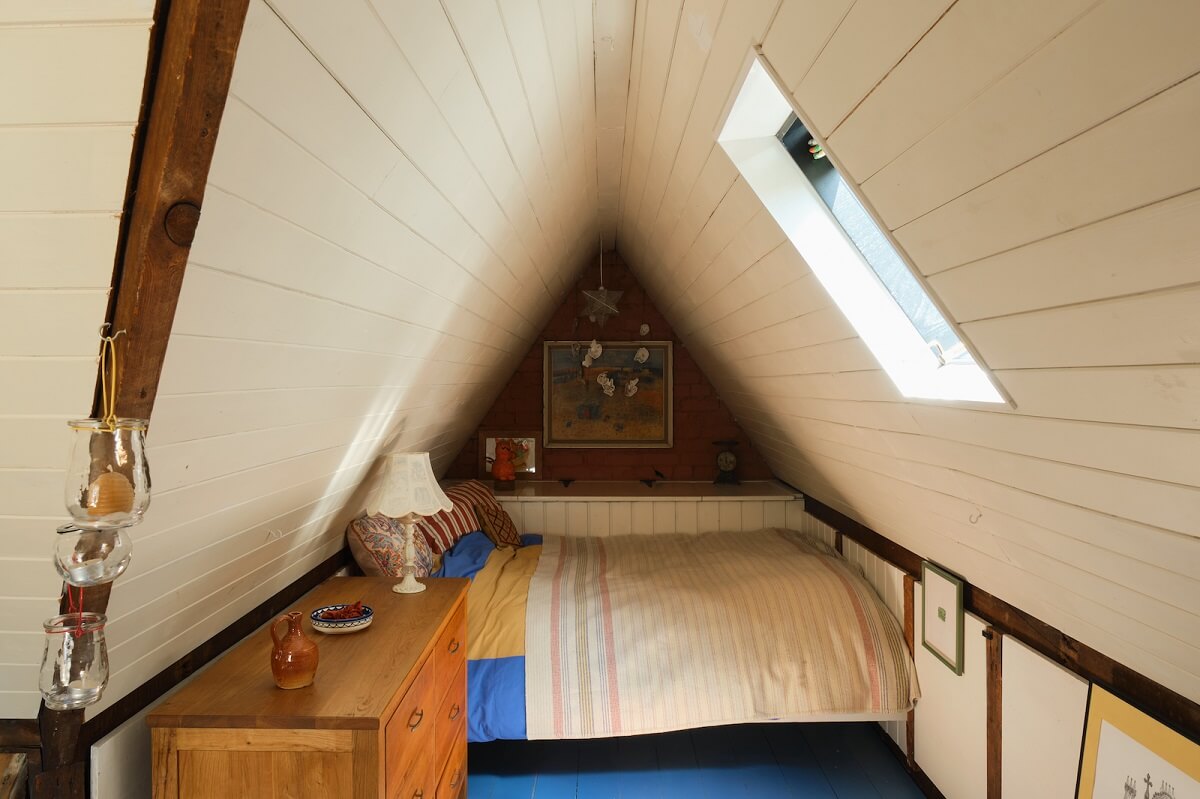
(526, 450)
(942, 615)
(610, 394)
(1127, 753)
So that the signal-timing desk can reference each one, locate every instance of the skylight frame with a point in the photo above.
(747, 132)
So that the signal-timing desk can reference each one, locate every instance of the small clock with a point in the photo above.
(727, 463)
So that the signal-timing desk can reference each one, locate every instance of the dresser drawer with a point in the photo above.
(409, 732)
(450, 651)
(453, 783)
(420, 780)
(452, 713)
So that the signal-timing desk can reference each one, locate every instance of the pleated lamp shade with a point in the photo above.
(408, 486)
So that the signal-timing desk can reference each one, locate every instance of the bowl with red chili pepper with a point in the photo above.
(344, 618)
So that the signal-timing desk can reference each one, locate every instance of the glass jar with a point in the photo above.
(108, 479)
(91, 557)
(75, 663)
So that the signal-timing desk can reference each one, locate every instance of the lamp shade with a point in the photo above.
(408, 486)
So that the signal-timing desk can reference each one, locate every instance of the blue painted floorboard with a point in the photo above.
(806, 761)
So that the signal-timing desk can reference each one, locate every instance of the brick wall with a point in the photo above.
(700, 416)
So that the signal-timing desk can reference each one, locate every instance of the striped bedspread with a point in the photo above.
(644, 634)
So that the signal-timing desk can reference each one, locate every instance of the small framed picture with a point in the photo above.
(524, 447)
(1127, 753)
(942, 615)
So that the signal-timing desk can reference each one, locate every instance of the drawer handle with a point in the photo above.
(453, 646)
(415, 719)
(455, 712)
(457, 778)
(419, 793)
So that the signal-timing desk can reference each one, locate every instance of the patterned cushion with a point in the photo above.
(377, 543)
(443, 529)
(498, 526)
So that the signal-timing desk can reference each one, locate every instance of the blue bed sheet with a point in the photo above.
(495, 686)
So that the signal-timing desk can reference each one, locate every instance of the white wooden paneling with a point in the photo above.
(72, 74)
(393, 211)
(59, 83)
(1068, 253)
(684, 514)
(1043, 711)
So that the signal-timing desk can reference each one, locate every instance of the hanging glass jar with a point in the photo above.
(108, 479)
(86, 558)
(75, 662)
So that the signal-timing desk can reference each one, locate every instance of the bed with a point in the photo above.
(627, 635)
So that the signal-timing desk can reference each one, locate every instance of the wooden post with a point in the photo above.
(995, 695)
(190, 83)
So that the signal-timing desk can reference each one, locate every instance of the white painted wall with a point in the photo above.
(1043, 710)
(994, 140)
(950, 735)
(71, 77)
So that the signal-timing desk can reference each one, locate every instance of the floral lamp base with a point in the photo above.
(409, 584)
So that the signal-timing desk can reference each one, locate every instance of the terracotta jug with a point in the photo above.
(294, 656)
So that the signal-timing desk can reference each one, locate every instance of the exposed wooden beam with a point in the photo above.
(190, 74)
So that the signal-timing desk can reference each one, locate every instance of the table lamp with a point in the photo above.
(407, 491)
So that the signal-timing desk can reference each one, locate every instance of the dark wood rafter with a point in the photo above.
(188, 77)
(995, 709)
(1170, 707)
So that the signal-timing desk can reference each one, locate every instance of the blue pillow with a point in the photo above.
(470, 553)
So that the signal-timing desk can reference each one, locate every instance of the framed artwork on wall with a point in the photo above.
(1127, 753)
(942, 615)
(608, 394)
(526, 449)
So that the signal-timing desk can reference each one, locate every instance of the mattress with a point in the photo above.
(599, 637)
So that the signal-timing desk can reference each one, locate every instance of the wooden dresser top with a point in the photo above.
(358, 676)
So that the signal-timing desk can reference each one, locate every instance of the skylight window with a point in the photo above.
(845, 247)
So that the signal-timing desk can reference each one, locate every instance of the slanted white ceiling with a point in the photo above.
(1038, 165)
(402, 193)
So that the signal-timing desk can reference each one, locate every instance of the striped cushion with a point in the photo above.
(443, 529)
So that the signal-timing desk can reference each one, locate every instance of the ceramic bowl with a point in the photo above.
(338, 626)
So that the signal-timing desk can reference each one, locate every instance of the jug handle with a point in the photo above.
(275, 637)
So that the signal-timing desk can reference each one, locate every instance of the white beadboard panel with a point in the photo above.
(1083, 265)
(873, 36)
(49, 385)
(1044, 98)
(62, 169)
(18, 12)
(689, 513)
(1063, 189)
(46, 251)
(1117, 332)
(73, 75)
(66, 129)
(1043, 710)
(50, 322)
(976, 43)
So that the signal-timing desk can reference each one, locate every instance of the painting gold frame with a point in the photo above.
(1124, 748)
(577, 413)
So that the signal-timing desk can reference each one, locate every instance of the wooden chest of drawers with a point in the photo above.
(385, 717)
